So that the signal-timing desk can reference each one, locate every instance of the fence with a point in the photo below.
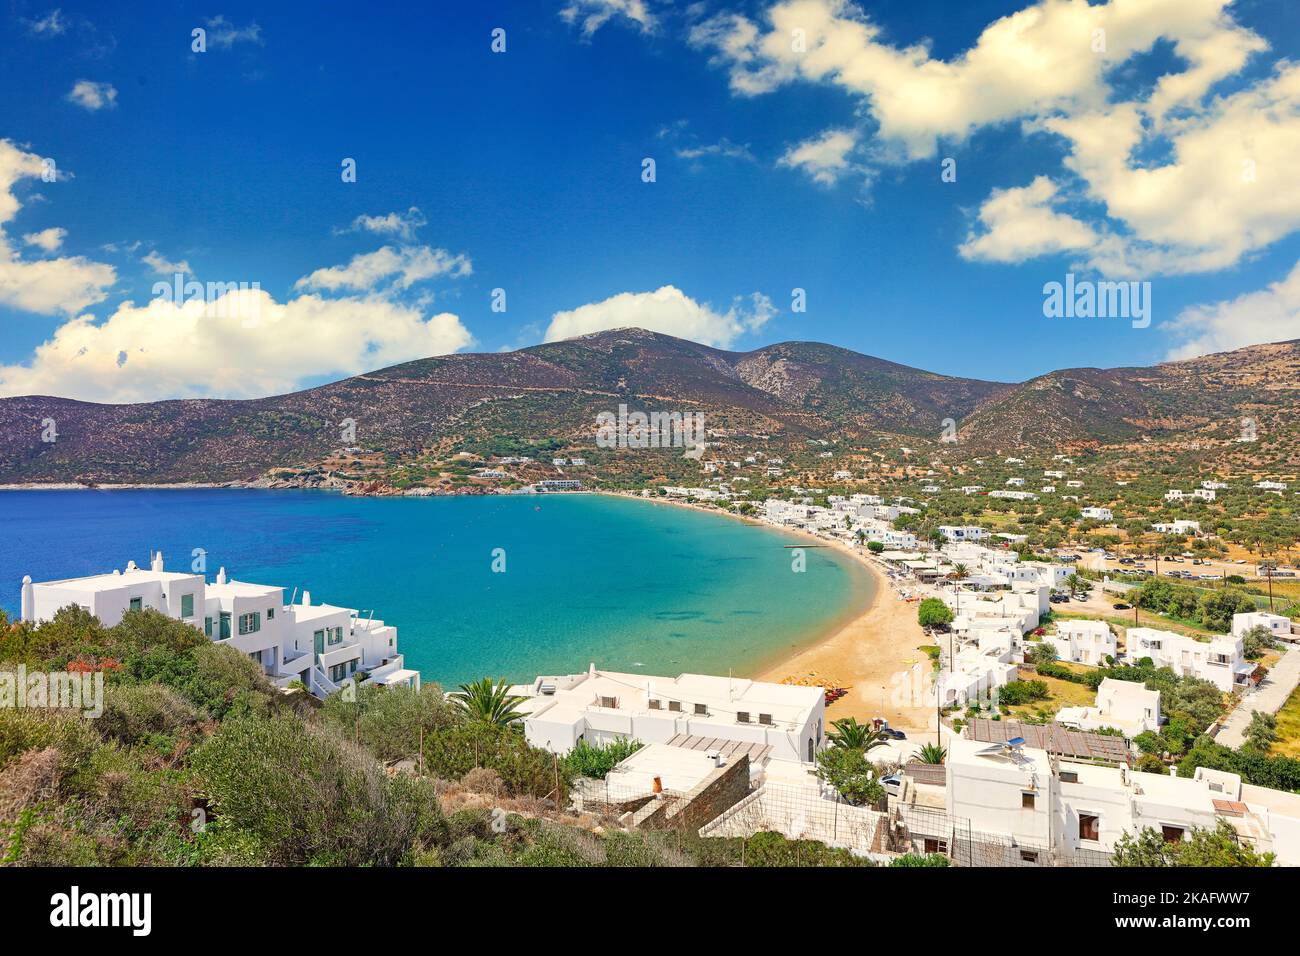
(801, 813)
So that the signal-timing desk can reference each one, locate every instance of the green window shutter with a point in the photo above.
(137, 604)
(187, 605)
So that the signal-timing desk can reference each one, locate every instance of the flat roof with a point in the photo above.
(1077, 744)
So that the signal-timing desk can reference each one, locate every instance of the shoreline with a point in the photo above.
(863, 652)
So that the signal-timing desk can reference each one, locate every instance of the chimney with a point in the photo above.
(221, 577)
(306, 599)
(29, 599)
(157, 563)
(130, 566)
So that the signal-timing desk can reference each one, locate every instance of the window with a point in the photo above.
(1026, 801)
(742, 716)
(207, 627)
(1028, 856)
(137, 604)
(1089, 826)
(765, 719)
(187, 605)
(250, 623)
(610, 702)
(675, 706)
(935, 846)
(1069, 776)
(336, 635)
(656, 705)
(352, 667)
(701, 709)
(1172, 834)
(270, 614)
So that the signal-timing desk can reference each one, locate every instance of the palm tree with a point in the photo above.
(851, 735)
(488, 702)
(959, 572)
(932, 753)
(1077, 584)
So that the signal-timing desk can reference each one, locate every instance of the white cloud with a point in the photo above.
(1268, 315)
(1019, 223)
(404, 225)
(50, 25)
(403, 267)
(93, 96)
(667, 310)
(46, 286)
(591, 15)
(47, 240)
(222, 34)
(164, 266)
(1050, 68)
(243, 345)
(825, 158)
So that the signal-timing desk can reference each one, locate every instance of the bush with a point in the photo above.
(390, 722)
(921, 859)
(304, 795)
(1016, 692)
(851, 774)
(932, 612)
(596, 762)
(524, 769)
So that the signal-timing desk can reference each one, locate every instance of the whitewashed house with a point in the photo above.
(1084, 642)
(1278, 625)
(1043, 809)
(1218, 660)
(323, 646)
(601, 706)
(1126, 706)
(1098, 514)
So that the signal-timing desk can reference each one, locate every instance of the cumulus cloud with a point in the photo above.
(1268, 315)
(400, 267)
(93, 96)
(66, 284)
(47, 240)
(1218, 191)
(404, 225)
(591, 15)
(244, 344)
(825, 158)
(1019, 223)
(164, 266)
(667, 310)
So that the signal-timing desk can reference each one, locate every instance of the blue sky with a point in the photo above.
(775, 168)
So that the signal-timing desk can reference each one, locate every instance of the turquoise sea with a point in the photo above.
(630, 585)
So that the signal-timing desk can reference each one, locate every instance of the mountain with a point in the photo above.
(423, 413)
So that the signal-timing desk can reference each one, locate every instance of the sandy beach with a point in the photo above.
(865, 654)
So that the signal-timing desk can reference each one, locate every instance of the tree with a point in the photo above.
(1043, 652)
(1217, 608)
(1256, 641)
(851, 734)
(851, 774)
(489, 703)
(932, 754)
(1217, 847)
(1262, 731)
(875, 547)
(934, 613)
(1077, 585)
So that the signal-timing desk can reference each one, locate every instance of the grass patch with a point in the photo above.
(1061, 693)
(1288, 728)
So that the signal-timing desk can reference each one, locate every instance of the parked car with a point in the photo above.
(893, 784)
(1060, 599)
(1121, 606)
(893, 734)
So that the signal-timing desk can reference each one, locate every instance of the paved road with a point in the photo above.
(1269, 697)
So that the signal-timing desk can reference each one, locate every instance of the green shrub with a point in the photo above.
(586, 760)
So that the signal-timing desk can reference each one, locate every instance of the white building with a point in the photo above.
(1014, 495)
(602, 706)
(1278, 626)
(1173, 494)
(1271, 485)
(1124, 705)
(1098, 514)
(1178, 527)
(321, 645)
(1084, 642)
(1045, 806)
(1218, 660)
(963, 532)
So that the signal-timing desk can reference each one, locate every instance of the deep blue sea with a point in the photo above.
(627, 584)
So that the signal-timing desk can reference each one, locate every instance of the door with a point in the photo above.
(224, 628)
(320, 642)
